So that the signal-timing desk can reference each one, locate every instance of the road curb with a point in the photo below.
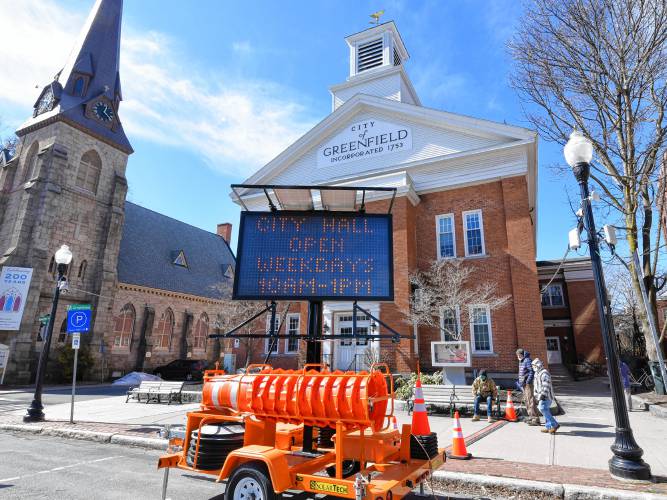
(141, 442)
(579, 492)
(33, 429)
(98, 437)
(523, 487)
(528, 489)
(82, 434)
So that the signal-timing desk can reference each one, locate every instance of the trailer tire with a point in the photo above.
(350, 468)
(250, 481)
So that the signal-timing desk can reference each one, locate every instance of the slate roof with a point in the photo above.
(97, 54)
(152, 241)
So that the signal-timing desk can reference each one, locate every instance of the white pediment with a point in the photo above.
(371, 137)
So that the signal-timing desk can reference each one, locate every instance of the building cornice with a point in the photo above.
(166, 293)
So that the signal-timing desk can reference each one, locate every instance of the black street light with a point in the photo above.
(626, 462)
(35, 414)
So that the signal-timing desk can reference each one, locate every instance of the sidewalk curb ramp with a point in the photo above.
(96, 436)
(477, 484)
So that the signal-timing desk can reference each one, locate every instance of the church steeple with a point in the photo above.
(86, 92)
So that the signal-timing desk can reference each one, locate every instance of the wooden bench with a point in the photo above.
(451, 396)
(156, 390)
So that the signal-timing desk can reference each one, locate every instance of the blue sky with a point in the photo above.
(213, 90)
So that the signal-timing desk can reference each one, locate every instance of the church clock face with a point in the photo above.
(103, 111)
(46, 102)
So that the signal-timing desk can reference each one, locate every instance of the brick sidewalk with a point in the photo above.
(552, 474)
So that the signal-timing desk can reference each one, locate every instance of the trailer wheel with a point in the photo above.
(250, 481)
(350, 467)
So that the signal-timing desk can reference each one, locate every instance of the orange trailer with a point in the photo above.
(249, 433)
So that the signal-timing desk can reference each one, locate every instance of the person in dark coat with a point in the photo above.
(525, 383)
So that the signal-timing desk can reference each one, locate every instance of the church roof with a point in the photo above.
(96, 57)
(157, 251)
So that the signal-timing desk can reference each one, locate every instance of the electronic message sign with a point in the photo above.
(314, 256)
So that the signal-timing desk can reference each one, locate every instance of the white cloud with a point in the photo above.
(235, 124)
(242, 47)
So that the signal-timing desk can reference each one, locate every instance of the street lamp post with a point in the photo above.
(626, 462)
(35, 414)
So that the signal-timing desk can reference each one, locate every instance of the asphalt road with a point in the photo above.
(43, 467)
(19, 399)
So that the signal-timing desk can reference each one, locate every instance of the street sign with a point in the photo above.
(44, 320)
(78, 318)
(76, 340)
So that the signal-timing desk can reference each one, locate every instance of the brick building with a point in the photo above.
(154, 283)
(466, 189)
(569, 308)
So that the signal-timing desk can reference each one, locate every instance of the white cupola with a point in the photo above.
(377, 56)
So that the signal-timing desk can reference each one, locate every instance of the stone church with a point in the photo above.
(154, 283)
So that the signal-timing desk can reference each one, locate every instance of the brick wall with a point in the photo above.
(585, 321)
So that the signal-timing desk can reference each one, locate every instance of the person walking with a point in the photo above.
(627, 383)
(525, 383)
(544, 393)
(484, 388)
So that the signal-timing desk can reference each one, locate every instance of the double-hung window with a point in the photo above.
(473, 233)
(292, 343)
(268, 342)
(445, 236)
(450, 324)
(480, 329)
(553, 296)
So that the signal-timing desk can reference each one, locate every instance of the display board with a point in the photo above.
(314, 256)
(450, 353)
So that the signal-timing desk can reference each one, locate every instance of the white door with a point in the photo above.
(350, 353)
(553, 351)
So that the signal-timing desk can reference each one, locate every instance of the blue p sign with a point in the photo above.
(78, 318)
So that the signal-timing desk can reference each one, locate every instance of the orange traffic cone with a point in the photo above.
(510, 412)
(395, 422)
(420, 425)
(459, 450)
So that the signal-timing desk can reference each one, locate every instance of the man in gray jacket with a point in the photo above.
(544, 393)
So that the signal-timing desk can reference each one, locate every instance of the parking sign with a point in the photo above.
(78, 318)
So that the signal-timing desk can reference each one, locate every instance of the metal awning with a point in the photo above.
(310, 198)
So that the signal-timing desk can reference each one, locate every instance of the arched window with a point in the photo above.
(78, 86)
(82, 270)
(88, 175)
(201, 332)
(124, 326)
(62, 336)
(164, 330)
(30, 162)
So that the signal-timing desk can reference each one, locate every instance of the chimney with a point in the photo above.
(225, 230)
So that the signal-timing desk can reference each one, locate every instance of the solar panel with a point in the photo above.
(294, 199)
(339, 200)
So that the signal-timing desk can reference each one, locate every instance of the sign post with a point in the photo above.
(78, 321)
(76, 342)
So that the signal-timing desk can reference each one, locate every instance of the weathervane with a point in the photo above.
(376, 17)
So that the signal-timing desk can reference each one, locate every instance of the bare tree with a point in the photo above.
(448, 284)
(232, 313)
(8, 142)
(600, 66)
(625, 313)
